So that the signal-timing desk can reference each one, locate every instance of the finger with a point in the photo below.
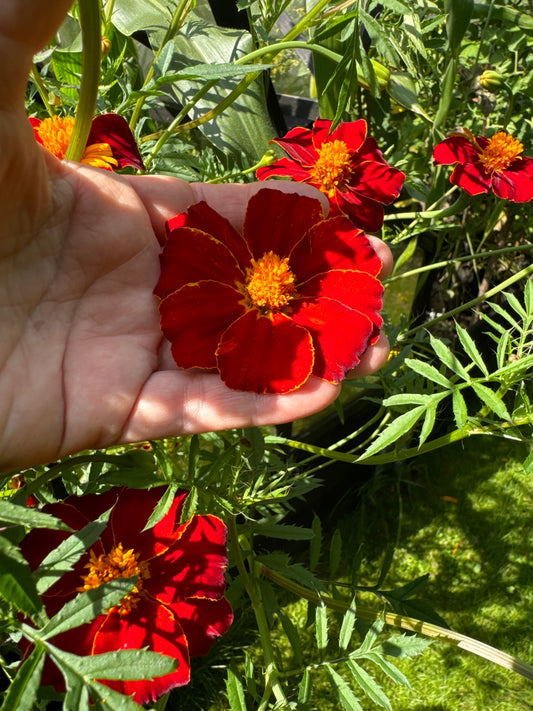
(372, 359)
(174, 403)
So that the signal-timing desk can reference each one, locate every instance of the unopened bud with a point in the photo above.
(268, 158)
(105, 46)
(382, 76)
(492, 80)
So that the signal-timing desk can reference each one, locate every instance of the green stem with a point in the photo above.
(522, 274)
(463, 201)
(42, 90)
(90, 78)
(271, 673)
(407, 623)
(304, 23)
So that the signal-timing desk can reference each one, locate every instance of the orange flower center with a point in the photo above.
(110, 566)
(270, 282)
(332, 168)
(55, 133)
(501, 150)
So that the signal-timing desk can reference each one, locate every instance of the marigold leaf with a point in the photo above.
(428, 371)
(316, 543)
(305, 688)
(284, 532)
(491, 400)
(397, 428)
(369, 685)
(22, 691)
(321, 626)
(389, 669)
(346, 697)
(471, 348)
(450, 360)
(335, 552)
(460, 412)
(235, 692)
(429, 422)
(403, 645)
(124, 664)
(373, 632)
(162, 507)
(291, 631)
(16, 583)
(29, 518)
(189, 505)
(347, 626)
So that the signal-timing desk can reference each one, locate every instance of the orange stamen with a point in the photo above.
(501, 150)
(270, 282)
(332, 168)
(111, 566)
(55, 133)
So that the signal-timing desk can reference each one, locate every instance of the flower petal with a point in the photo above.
(35, 122)
(456, 149)
(265, 355)
(203, 218)
(352, 133)
(377, 181)
(333, 244)
(194, 318)
(113, 129)
(147, 625)
(286, 168)
(194, 566)
(275, 221)
(366, 214)
(340, 335)
(356, 290)
(472, 177)
(191, 256)
(203, 621)
(298, 143)
(516, 182)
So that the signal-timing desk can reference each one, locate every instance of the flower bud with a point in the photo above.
(105, 46)
(269, 157)
(382, 76)
(491, 80)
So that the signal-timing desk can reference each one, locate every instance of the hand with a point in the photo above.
(82, 361)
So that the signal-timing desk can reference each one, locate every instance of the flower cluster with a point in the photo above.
(110, 144)
(292, 295)
(485, 164)
(345, 164)
(177, 606)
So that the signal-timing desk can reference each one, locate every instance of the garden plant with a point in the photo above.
(205, 570)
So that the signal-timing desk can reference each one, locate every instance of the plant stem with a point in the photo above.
(42, 90)
(90, 77)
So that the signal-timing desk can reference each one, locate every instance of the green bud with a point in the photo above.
(491, 80)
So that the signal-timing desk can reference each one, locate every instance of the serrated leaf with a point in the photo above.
(17, 586)
(375, 629)
(321, 626)
(22, 691)
(88, 605)
(61, 559)
(502, 349)
(491, 400)
(305, 688)
(162, 507)
(407, 399)
(29, 517)
(460, 412)
(396, 429)
(404, 645)
(515, 305)
(369, 685)
(107, 699)
(123, 664)
(235, 692)
(388, 667)
(429, 372)
(446, 356)
(346, 697)
(282, 531)
(471, 349)
(293, 637)
(347, 626)
(190, 505)
(428, 424)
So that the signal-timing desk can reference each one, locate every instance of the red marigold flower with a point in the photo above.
(484, 164)
(294, 295)
(345, 164)
(110, 144)
(177, 606)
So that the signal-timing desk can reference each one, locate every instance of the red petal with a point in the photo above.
(370, 151)
(276, 221)
(352, 133)
(516, 182)
(128, 529)
(265, 355)
(366, 214)
(194, 318)
(35, 122)
(356, 290)
(334, 244)
(377, 181)
(456, 149)
(147, 625)
(114, 130)
(284, 167)
(203, 218)
(190, 255)
(298, 143)
(203, 621)
(472, 178)
(340, 335)
(194, 566)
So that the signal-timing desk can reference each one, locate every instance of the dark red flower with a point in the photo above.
(177, 606)
(485, 164)
(294, 295)
(345, 164)
(110, 144)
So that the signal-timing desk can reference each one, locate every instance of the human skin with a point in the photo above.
(83, 364)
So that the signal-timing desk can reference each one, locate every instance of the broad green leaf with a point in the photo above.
(141, 15)
(61, 559)
(67, 70)
(528, 463)
(402, 89)
(396, 429)
(429, 372)
(29, 517)
(369, 685)
(459, 15)
(345, 695)
(22, 691)
(471, 349)
(347, 626)
(388, 667)
(491, 400)
(449, 358)
(321, 626)
(403, 645)
(88, 605)
(460, 412)
(235, 692)
(17, 586)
